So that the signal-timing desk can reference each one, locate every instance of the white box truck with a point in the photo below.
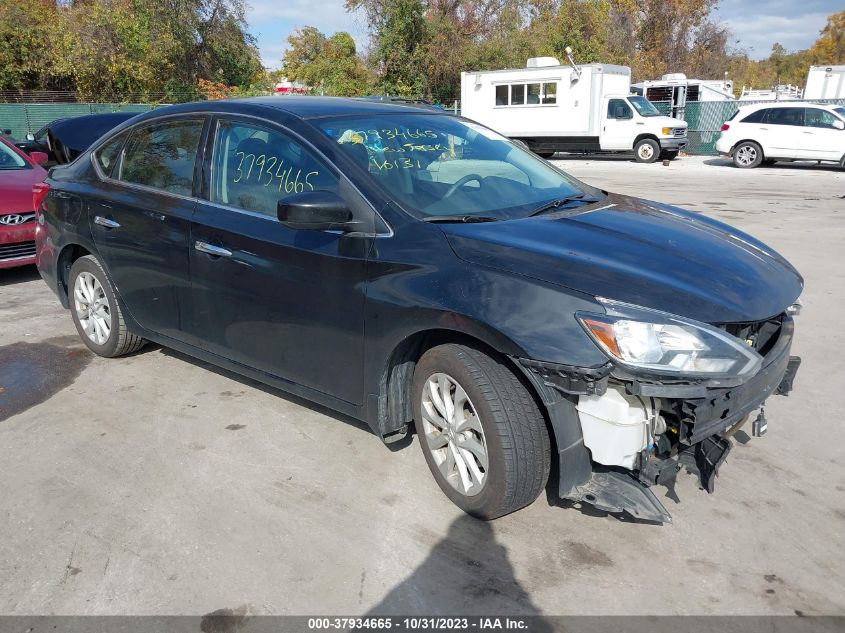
(557, 108)
(825, 82)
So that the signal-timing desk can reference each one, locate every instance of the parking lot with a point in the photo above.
(156, 484)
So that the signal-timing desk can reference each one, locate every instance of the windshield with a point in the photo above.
(436, 165)
(643, 106)
(10, 159)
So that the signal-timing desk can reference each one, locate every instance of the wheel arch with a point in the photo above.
(395, 406)
(571, 459)
(67, 256)
(646, 135)
(749, 140)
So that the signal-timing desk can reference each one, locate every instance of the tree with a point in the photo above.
(28, 35)
(328, 66)
(830, 47)
(399, 49)
(116, 49)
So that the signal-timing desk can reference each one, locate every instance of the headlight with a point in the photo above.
(665, 343)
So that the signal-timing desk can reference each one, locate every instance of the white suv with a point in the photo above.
(765, 132)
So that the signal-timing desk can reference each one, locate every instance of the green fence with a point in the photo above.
(705, 119)
(25, 118)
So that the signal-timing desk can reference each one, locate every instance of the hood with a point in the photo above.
(16, 188)
(639, 252)
(667, 121)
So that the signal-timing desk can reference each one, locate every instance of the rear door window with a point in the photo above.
(254, 167)
(755, 117)
(786, 116)
(163, 156)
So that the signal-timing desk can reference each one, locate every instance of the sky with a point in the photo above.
(756, 24)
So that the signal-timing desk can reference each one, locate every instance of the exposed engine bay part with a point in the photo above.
(785, 385)
(617, 493)
(617, 427)
(705, 458)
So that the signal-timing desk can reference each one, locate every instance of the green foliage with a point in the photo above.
(830, 47)
(329, 66)
(115, 49)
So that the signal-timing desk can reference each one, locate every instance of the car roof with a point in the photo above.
(299, 106)
(787, 104)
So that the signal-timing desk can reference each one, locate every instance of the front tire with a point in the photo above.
(748, 155)
(647, 150)
(480, 430)
(96, 312)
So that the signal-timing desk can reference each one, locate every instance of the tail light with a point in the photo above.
(725, 127)
(39, 192)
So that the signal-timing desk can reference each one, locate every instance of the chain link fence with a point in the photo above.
(27, 118)
(705, 118)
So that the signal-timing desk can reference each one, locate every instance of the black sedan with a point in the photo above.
(419, 271)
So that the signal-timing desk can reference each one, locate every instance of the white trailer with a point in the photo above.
(677, 90)
(825, 82)
(562, 108)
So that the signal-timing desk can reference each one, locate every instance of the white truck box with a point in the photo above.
(553, 107)
(825, 82)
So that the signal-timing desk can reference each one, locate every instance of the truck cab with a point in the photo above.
(630, 122)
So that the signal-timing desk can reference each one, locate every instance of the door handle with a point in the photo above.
(807, 132)
(211, 249)
(109, 224)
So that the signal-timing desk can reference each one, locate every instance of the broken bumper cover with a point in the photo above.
(705, 411)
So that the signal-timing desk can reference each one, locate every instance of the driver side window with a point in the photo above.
(254, 167)
(618, 109)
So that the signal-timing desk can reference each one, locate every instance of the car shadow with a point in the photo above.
(273, 391)
(467, 572)
(786, 165)
(20, 275)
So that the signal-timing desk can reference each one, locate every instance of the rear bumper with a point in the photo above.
(723, 146)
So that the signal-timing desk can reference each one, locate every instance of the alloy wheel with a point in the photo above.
(454, 435)
(92, 308)
(746, 155)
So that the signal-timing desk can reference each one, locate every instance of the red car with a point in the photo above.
(18, 173)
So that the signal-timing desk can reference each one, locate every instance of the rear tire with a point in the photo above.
(96, 312)
(647, 150)
(545, 155)
(493, 414)
(748, 155)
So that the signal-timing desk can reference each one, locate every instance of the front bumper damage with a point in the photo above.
(691, 423)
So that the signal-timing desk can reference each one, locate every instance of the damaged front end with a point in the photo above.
(633, 423)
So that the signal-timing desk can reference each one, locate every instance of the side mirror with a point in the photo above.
(39, 158)
(314, 210)
(30, 137)
(839, 125)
